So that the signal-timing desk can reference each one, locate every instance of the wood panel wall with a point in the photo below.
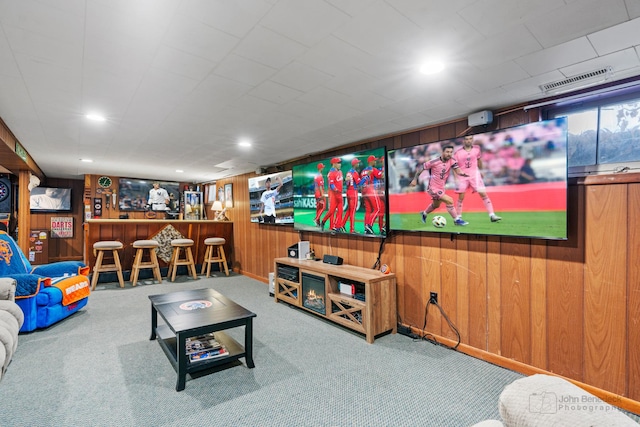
(566, 307)
(67, 249)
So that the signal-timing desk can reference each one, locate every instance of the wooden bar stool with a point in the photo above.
(214, 245)
(138, 264)
(99, 248)
(178, 245)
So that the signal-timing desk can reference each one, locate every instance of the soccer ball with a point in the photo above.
(439, 221)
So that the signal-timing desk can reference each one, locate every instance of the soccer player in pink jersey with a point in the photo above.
(469, 160)
(440, 168)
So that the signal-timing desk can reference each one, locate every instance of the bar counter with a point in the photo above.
(128, 231)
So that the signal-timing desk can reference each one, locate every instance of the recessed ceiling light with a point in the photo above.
(179, 170)
(431, 67)
(96, 117)
(244, 144)
(86, 160)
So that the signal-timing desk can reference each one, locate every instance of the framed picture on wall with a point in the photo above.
(228, 195)
(211, 193)
(221, 194)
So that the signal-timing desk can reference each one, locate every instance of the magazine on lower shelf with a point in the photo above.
(202, 343)
(208, 354)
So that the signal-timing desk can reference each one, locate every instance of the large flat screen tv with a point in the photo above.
(342, 195)
(133, 194)
(50, 199)
(521, 178)
(270, 202)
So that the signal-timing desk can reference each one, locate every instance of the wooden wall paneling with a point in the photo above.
(24, 220)
(477, 282)
(402, 286)
(342, 246)
(515, 299)
(427, 136)
(605, 287)
(633, 295)
(493, 296)
(565, 293)
(407, 140)
(447, 131)
(538, 300)
(371, 247)
(430, 265)
(412, 277)
(461, 321)
(448, 297)
(515, 117)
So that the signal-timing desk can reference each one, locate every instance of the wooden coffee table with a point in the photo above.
(196, 312)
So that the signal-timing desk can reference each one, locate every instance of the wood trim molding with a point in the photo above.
(619, 178)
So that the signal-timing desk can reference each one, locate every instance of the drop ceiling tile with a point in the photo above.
(322, 96)
(137, 20)
(333, 55)
(275, 92)
(380, 28)
(45, 20)
(490, 17)
(565, 54)
(617, 37)
(233, 17)
(561, 25)
(199, 39)
(623, 60)
(306, 22)
(243, 70)
(44, 49)
(269, 48)
(501, 47)
(301, 77)
(493, 77)
(182, 63)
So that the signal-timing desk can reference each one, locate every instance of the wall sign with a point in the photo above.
(97, 207)
(61, 227)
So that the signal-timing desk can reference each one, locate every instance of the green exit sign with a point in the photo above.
(21, 152)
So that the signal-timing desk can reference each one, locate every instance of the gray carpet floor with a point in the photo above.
(99, 368)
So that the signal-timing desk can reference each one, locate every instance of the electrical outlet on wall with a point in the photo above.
(433, 298)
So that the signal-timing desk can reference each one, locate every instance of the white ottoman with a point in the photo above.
(546, 400)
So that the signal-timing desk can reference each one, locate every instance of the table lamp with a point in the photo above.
(219, 211)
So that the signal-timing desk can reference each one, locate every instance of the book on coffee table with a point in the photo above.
(202, 343)
(208, 354)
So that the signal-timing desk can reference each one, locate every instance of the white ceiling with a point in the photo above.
(183, 81)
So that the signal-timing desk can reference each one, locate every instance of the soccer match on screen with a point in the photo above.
(511, 182)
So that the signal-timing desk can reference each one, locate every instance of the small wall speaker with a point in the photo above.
(332, 259)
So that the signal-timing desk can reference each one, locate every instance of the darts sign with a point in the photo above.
(61, 226)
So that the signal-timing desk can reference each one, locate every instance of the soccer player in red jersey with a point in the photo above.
(370, 197)
(318, 189)
(352, 180)
(335, 180)
(469, 159)
(440, 168)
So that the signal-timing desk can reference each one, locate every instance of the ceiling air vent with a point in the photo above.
(579, 81)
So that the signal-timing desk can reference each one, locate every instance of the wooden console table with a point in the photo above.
(371, 310)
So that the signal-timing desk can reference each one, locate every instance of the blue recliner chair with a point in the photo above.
(47, 293)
